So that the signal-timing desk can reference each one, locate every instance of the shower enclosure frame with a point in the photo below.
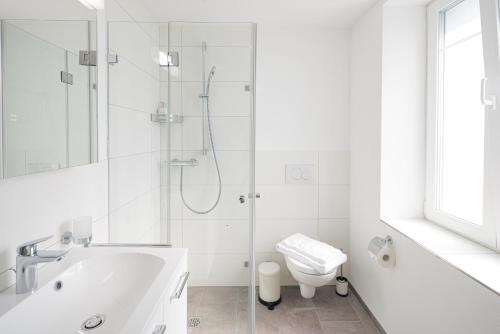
(251, 195)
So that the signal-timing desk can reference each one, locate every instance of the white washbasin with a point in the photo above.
(113, 282)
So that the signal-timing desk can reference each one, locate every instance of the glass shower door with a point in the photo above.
(207, 89)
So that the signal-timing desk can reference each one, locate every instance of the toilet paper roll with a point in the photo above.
(381, 251)
(386, 257)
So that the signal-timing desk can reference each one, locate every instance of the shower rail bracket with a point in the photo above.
(87, 57)
(166, 118)
(184, 163)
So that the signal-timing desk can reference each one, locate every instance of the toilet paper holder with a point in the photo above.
(381, 250)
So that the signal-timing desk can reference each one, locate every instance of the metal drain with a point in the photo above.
(194, 322)
(93, 322)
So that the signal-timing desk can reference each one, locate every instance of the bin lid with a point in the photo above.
(269, 268)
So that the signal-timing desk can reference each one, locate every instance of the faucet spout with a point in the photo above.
(28, 256)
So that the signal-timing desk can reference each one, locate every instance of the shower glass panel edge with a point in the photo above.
(252, 279)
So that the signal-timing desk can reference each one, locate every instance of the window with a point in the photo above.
(463, 170)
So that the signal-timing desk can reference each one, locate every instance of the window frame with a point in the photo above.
(488, 233)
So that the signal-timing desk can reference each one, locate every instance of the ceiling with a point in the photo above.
(45, 10)
(337, 13)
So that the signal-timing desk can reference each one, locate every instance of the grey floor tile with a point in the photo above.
(220, 295)
(337, 310)
(224, 310)
(343, 327)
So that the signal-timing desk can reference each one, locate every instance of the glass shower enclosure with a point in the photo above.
(194, 85)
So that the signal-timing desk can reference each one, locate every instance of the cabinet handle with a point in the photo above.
(160, 329)
(180, 286)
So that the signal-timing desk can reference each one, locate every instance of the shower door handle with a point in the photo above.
(242, 199)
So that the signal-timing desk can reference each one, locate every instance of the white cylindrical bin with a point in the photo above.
(269, 284)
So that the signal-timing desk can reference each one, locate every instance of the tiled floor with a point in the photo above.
(223, 310)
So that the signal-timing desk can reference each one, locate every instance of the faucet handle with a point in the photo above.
(29, 248)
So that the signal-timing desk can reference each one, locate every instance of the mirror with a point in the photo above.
(49, 96)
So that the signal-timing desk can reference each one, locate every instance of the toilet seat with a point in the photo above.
(303, 268)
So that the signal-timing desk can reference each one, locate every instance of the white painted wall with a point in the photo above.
(403, 111)
(134, 141)
(302, 118)
(422, 294)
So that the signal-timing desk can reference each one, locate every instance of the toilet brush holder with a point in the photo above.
(342, 287)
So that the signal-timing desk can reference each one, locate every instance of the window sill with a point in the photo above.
(476, 261)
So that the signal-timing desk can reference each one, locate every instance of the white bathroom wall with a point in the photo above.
(302, 112)
(422, 294)
(302, 119)
(39, 205)
(134, 141)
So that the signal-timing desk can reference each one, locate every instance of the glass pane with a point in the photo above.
(35, 104)
(461, 131)
(49, 103)
(212, 89)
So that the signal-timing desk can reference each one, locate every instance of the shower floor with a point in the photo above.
(223, 310)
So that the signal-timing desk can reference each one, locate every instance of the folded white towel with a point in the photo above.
(318, 255)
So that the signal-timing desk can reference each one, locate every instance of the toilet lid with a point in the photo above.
(303, 268)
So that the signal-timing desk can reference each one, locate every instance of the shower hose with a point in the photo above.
(202, 212)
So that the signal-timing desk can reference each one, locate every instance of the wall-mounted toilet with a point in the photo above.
(311, 263)
(307, 277)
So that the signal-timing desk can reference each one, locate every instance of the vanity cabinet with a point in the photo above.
(175, 302)
(170, 314)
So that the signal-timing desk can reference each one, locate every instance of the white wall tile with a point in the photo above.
(333, 201)
(129, 177)
(171, 93)
(335, 233)
(100, 230)
(202, 197)
(226, 99)
(131, 221)
(230, 99)
(176, 231)
(233, 63)
(156, 169)
(191, 64)
(132, 88)
(129, 132)
(234, 168)
(268, 232)
(229, 133)
(191, 102)
(218, 269)
(156, 136)
(334, 167)
(176, 206)
(287, 202)
(131, 42)
(38, 205)
(216, 236)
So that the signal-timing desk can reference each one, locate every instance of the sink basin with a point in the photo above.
(113, 283)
